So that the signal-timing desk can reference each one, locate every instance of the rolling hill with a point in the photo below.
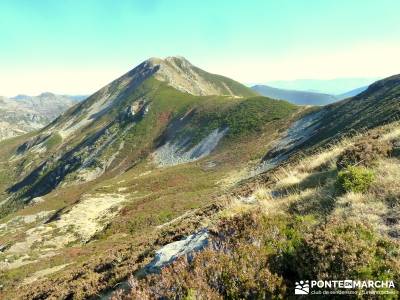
(304, 97)
(295, 97)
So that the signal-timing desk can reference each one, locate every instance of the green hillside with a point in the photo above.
(153, 159)
(90, 178)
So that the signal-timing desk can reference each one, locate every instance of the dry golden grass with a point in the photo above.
(387, 183)
(263, 194)
(325, 157)
(235, 207)
(289, 177)
(392, 131)
(302, 188)
(303, 212)
(361, 207)
(380, 204)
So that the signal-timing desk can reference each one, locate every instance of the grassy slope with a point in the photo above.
(300, 218)
(292, 204)
(247, 115)
(379, 104)
(7, 168)
(298, 206)
(162, 194)
(221, 81)
(156, 197)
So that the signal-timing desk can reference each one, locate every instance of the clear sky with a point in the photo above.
(77, 46)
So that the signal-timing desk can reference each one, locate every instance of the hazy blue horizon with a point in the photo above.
(333, 86)
(76, 47)
(329, 86)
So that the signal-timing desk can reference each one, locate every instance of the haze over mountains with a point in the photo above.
(326, 86)
(304, 97)
(23, 113)
(168, 159)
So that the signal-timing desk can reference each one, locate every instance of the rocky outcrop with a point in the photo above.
(174, 153)
(23, 114)
(170, 252)
(182, 75)
(298, 133)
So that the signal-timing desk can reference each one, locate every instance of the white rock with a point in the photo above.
(175, 153)
(172, 251)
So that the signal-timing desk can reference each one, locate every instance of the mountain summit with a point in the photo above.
(176, 72)
(179, 73)
(166, 110)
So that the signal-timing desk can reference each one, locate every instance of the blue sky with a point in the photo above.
(76, 46)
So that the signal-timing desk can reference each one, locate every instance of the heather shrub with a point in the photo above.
(396, 148)
(354, 179)
(346, 250)
(364, 153)
(246, 259)
(241, 273)
(254, 256)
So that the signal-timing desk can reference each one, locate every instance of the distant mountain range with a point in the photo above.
(352, 93)
(304, 97)
(23, 113)
(325, 86)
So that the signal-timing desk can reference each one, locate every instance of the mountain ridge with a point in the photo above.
(295, 96)
(334, 86)
(86, 137)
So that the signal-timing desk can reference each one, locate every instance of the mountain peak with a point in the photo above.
(174, 60)
(182, 75)
(175, 71)
(46, 94)
(153, 61)
(177, 58)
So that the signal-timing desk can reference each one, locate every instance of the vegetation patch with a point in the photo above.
(257, 257)
(245, 116)
(346, 250)
(355, 179)
(53, 141)
(365, 152)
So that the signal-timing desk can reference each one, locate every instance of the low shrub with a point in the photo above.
(354, 179)
(396, 148)
(364, 153)
(246, 260)
(346, 250)
(239, 274)
(259, 257)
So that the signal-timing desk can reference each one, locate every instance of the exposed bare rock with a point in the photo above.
(172, 251)
(23, 114)
(182, 75)
(174, 153)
